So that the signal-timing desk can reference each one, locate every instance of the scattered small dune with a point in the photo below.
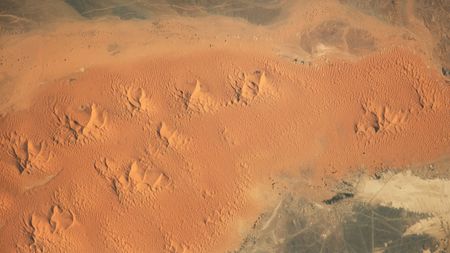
(82, 124)
(139, 136)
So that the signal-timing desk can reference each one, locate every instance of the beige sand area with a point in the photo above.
(138, 136)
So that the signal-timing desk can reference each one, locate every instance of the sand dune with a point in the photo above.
(170, 135)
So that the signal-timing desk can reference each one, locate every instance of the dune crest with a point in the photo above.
(380, 120)
(249, 86)
(171, 138)
(29, 156)
(199, 101)
(46, 232)
(133, 179)
(82, 124)
(137, 100)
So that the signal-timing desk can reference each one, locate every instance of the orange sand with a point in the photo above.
(165, 151)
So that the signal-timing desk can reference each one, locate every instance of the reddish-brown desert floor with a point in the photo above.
(172, 134)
